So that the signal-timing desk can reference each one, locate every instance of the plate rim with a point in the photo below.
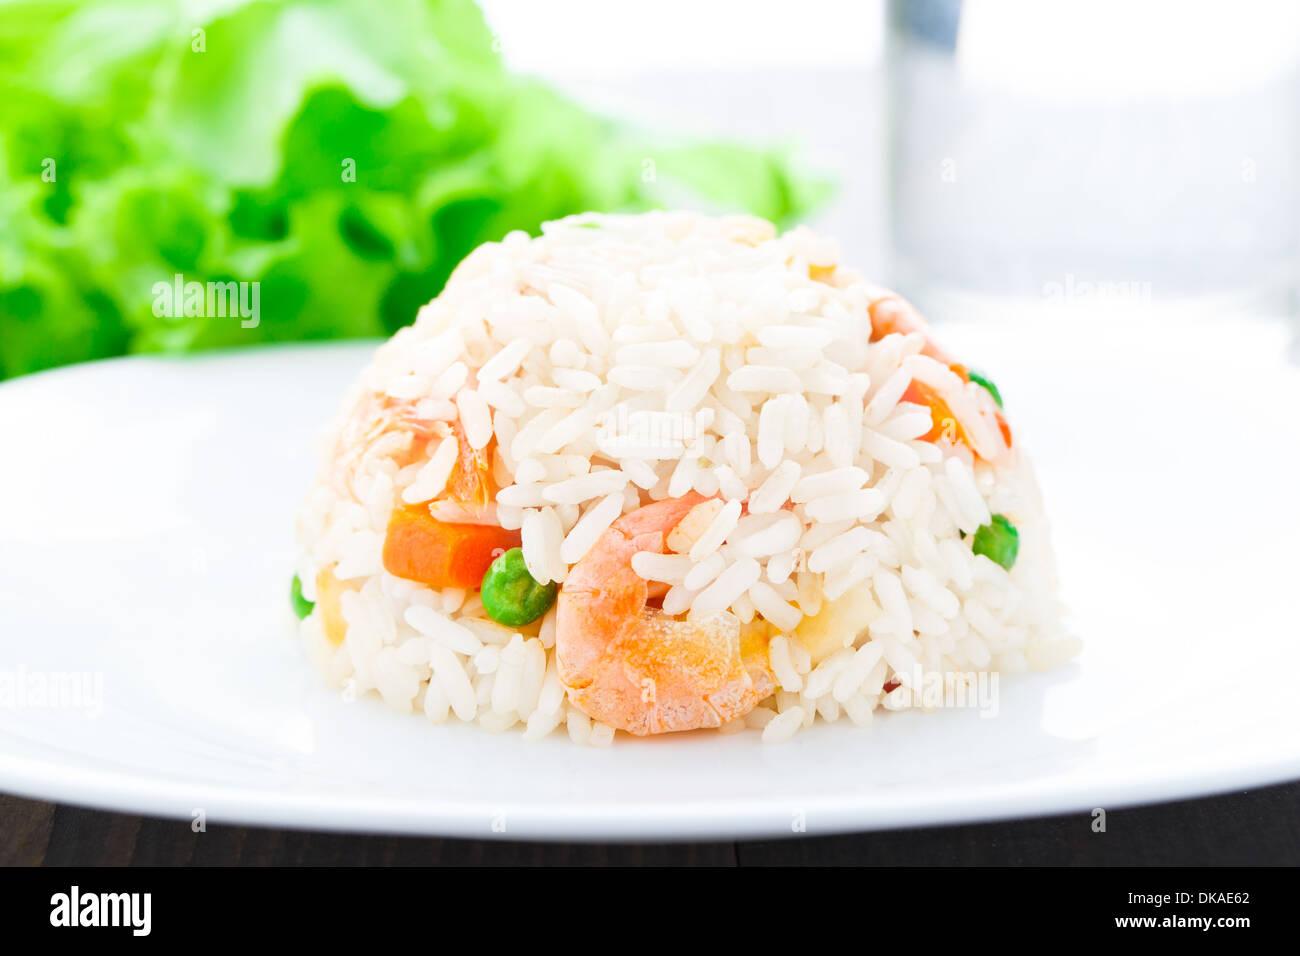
(600, 821)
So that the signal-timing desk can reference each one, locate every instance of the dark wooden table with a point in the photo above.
(1255, 827)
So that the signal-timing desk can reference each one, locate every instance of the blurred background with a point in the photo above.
(1138, 159)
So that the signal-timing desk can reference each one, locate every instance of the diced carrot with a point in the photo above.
(440, 554)
(1004, 428)
(945, 423)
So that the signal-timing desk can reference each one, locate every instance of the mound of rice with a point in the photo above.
(620, 360)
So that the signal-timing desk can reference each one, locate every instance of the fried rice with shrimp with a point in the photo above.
(668, 472)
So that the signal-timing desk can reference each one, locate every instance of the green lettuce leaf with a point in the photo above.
(343, 155)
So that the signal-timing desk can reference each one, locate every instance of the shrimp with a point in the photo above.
(448, 542)
(638, 668)
(892, 315)
(380, 426)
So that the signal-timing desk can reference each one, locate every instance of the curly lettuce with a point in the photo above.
(342, 154)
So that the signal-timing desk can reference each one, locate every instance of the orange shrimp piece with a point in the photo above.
(392, 428)
(892, 315)
(635, 667)
(470, 482)
(377, 426)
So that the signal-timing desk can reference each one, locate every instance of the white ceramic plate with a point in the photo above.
(146, 508)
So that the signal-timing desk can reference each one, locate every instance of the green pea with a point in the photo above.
(979, 379)
(999, 541)
(510, 595)
(301, 606)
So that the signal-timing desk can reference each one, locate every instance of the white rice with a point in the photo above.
(726, 588)
(723, 523)
(837, 480)
(432, 477)
(762, 536)
(775, 490)
(668, 568)
(574, 491)
(621, 360)
(585, 532)
(861, 505)
(839, 550)
(705, 571)
(768, 602)
(783, 726)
